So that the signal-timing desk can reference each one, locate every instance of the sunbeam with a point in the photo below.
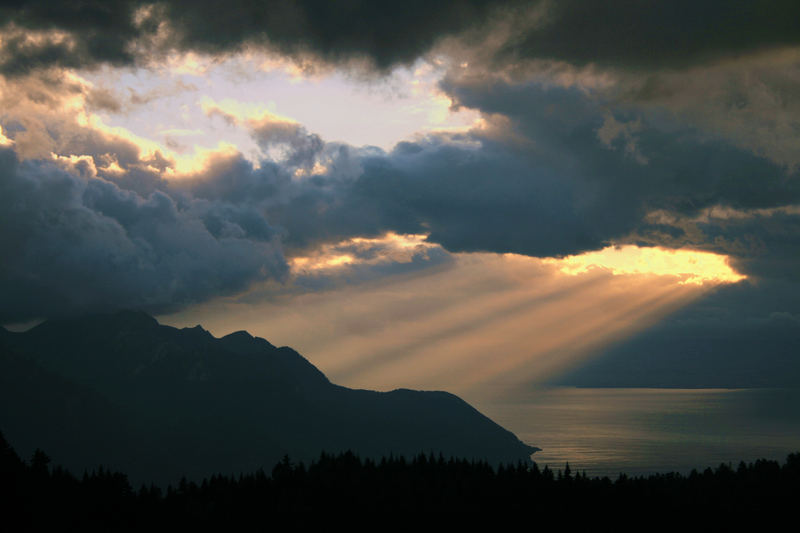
(469, 326)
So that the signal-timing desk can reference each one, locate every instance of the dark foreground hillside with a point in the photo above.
(394, 491)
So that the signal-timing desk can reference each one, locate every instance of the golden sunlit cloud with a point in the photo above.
(729, 213)
(238, 113)
(391, 247)
(691, 267)
(188, 63)
(147, 147)
(298, 69)
(306, 264)
(78, 164)
(4, 141)
(183, 165)
(200, 160)
(31, 40)
(317, 169)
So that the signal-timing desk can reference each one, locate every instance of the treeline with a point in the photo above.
(38, 496)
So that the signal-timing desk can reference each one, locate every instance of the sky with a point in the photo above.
(473, 196)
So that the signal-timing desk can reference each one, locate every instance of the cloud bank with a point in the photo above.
(670, 124)
(75, 245)
(552, 170)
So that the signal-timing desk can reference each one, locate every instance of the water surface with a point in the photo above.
(641, 431)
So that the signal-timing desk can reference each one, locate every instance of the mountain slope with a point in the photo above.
(181, 401)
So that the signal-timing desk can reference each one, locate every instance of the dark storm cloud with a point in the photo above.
(769, 247)
(556, 171)
(467, 199)
(647, 34)
(102, 31)
(656, 33)
(618, 32)
(302, 147)
(649, 155)
(74, 245)
(97, 31)
(566, 172)
(562, 187)
(385, 32)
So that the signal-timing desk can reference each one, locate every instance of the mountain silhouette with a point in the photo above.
(159, 402)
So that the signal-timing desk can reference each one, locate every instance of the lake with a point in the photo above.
(642, 431)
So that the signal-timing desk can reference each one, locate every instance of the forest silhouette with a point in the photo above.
(38, 496)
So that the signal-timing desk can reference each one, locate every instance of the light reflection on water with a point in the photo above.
(641, 431)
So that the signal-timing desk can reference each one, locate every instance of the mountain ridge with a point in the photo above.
(193, 404)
